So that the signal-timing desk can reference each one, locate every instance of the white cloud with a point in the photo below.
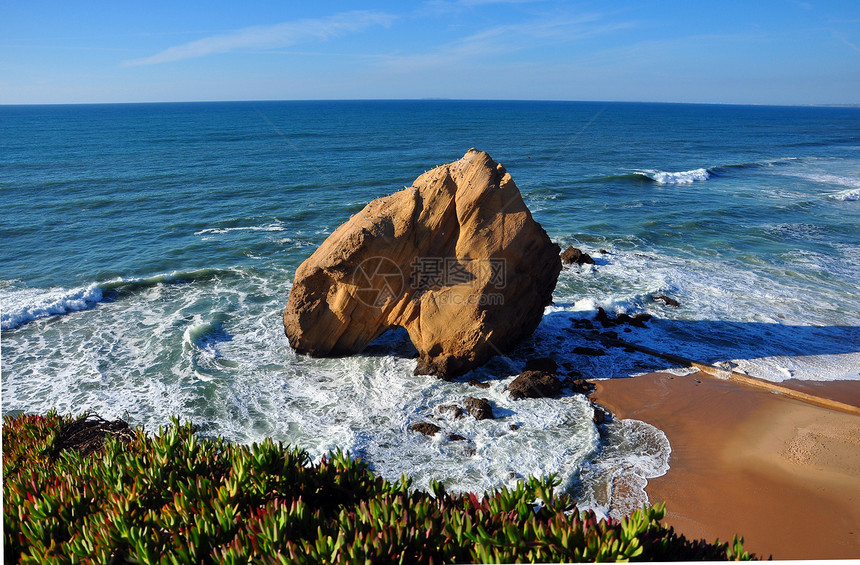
(504, 39)
(270, 37)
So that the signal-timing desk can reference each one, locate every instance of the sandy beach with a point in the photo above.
(782, 473)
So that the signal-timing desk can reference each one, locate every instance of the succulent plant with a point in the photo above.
(174, 497)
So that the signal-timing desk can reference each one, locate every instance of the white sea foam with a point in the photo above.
(771, 325)
(632, 453)
(244, 228)
(26, 305)
(830, 179)
(850, 195)
(21, 306)
(214, 353)
(680, 177)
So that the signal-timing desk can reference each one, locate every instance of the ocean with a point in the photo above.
(148, 251)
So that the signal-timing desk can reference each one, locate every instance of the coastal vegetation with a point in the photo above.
(82, 489)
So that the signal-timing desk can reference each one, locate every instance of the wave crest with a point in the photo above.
(679, 177)
(33, 304)
(850, 195)
(23, 306)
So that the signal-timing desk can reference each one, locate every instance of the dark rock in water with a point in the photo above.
(580, 386)
(592, 351)
(426, 428)
(456, 437)
(479, 408)
(572, 255)
(456, 259)
(642, 317)
(479, 384)
(599, 415)
(623, 318)
(605, 252)
(666, 300)
(583, 324)
(534, 384)
(513, 427)
(469, 451)
(452, 409)
(610, 335)
(637, 320)
(604, 319)
(544, 364)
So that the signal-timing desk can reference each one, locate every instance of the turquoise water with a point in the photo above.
(148, 250)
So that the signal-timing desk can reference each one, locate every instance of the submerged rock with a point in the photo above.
(456, 259)
(479, 408)
(534, 384)
(479, 384)
(666, 300)
(573, 255)
(426, 428)
(452, 409)
(544, 364)
(591, 351)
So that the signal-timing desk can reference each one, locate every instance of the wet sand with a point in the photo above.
(783, 474)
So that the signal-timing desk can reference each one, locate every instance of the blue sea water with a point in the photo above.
(147, 252)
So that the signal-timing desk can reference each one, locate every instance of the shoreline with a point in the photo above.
(783, 474)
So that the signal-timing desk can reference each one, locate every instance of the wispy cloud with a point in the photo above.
(510, 38)
(270, 37)
(802, 5)
(844, 40)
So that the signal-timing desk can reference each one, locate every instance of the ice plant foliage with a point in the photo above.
(178, 498)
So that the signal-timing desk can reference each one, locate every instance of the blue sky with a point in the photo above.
(751, 52)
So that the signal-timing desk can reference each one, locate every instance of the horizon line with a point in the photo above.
(438, 99)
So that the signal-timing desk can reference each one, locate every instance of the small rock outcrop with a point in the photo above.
(451, 409)
(579, 386)
(456, 259)
(426, 428)
(666, 300)
(575, 256)
(534, 384)
(479, 408)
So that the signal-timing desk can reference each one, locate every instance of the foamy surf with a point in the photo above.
(243, 228)
(215, 354)
(850, 195)
(25, 305)
(679, 177)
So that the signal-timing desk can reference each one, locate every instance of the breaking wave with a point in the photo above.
(850, 195)
(679, 177)
(20, 307)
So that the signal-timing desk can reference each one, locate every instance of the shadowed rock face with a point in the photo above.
(456, 259)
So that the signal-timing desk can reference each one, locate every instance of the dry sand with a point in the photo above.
(783, 474)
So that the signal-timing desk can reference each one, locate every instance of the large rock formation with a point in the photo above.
(456, 259)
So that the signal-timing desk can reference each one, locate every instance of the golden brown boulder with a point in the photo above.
(456, 259)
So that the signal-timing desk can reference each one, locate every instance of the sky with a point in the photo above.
(695, 51)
